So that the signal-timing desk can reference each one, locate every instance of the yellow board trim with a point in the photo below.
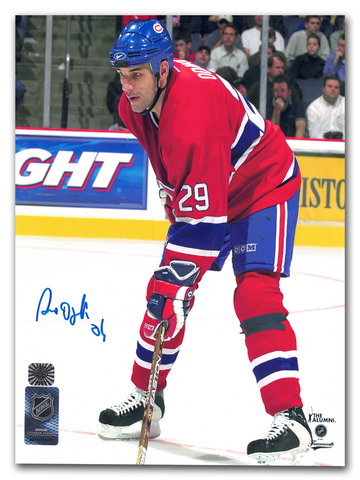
(306, 235)
(90, 227)
(319, 236)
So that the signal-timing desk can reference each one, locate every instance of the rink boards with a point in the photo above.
(99, 184)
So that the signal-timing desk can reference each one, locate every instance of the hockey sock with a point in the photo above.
(269, 338)
(143, 359)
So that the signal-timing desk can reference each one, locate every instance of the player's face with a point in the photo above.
(139, 85)
(312, 46)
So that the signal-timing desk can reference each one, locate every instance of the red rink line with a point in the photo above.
(151, 256)
(218, 451)
(102, 252)
(317, 309)
(319, 276)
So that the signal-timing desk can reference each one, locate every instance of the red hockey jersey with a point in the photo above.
(216, 157)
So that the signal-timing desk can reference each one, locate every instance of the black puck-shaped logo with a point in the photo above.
(41, 374)
(320, 431)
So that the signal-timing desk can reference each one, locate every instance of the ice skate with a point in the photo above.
(289, 434)
(124, 421)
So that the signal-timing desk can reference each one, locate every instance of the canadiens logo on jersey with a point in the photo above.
(42, 407)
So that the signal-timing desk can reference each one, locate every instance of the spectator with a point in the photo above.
(228, 74)
(335, 36)
(309, 65)
(297, 44)
(113, 95)
(276, 65)
(285, 111)
(183, 47)
(240, 85)
(202, 56)
(255, 60)
(214, 39)
(325, 116)
(335, 63)
(227, 55)
(251, 38)
(252, 75)
(211, 24)
(328, 25)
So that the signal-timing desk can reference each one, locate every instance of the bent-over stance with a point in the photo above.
(229, 184)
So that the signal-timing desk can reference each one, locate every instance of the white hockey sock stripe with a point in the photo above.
(144, 354)
(272, 356)
(274, 366)
(167, 351)
(147, 365)
(278, 376)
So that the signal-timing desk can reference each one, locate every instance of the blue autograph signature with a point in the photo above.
(68, 312)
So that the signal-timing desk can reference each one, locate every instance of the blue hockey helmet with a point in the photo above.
(143, 42)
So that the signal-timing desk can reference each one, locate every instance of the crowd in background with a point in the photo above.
(305, 92)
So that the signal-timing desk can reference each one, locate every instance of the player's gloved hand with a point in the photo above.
(174, 287)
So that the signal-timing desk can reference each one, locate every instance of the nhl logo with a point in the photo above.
(42, 407)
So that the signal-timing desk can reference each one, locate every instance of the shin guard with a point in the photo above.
(269, 338)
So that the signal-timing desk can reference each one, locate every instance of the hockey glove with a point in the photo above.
(174, 287)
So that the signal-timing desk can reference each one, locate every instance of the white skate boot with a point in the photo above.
(289, 433)
(124, 421)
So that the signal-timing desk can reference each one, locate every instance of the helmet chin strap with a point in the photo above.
(157, 96)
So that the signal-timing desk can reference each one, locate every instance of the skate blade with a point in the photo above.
(298, 458)
(110, 433)
(304, 458)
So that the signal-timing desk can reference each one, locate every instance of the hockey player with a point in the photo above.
(230, 183)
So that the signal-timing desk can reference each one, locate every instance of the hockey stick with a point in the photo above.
(150, 398)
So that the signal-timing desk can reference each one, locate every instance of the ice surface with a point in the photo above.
(213, 407)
